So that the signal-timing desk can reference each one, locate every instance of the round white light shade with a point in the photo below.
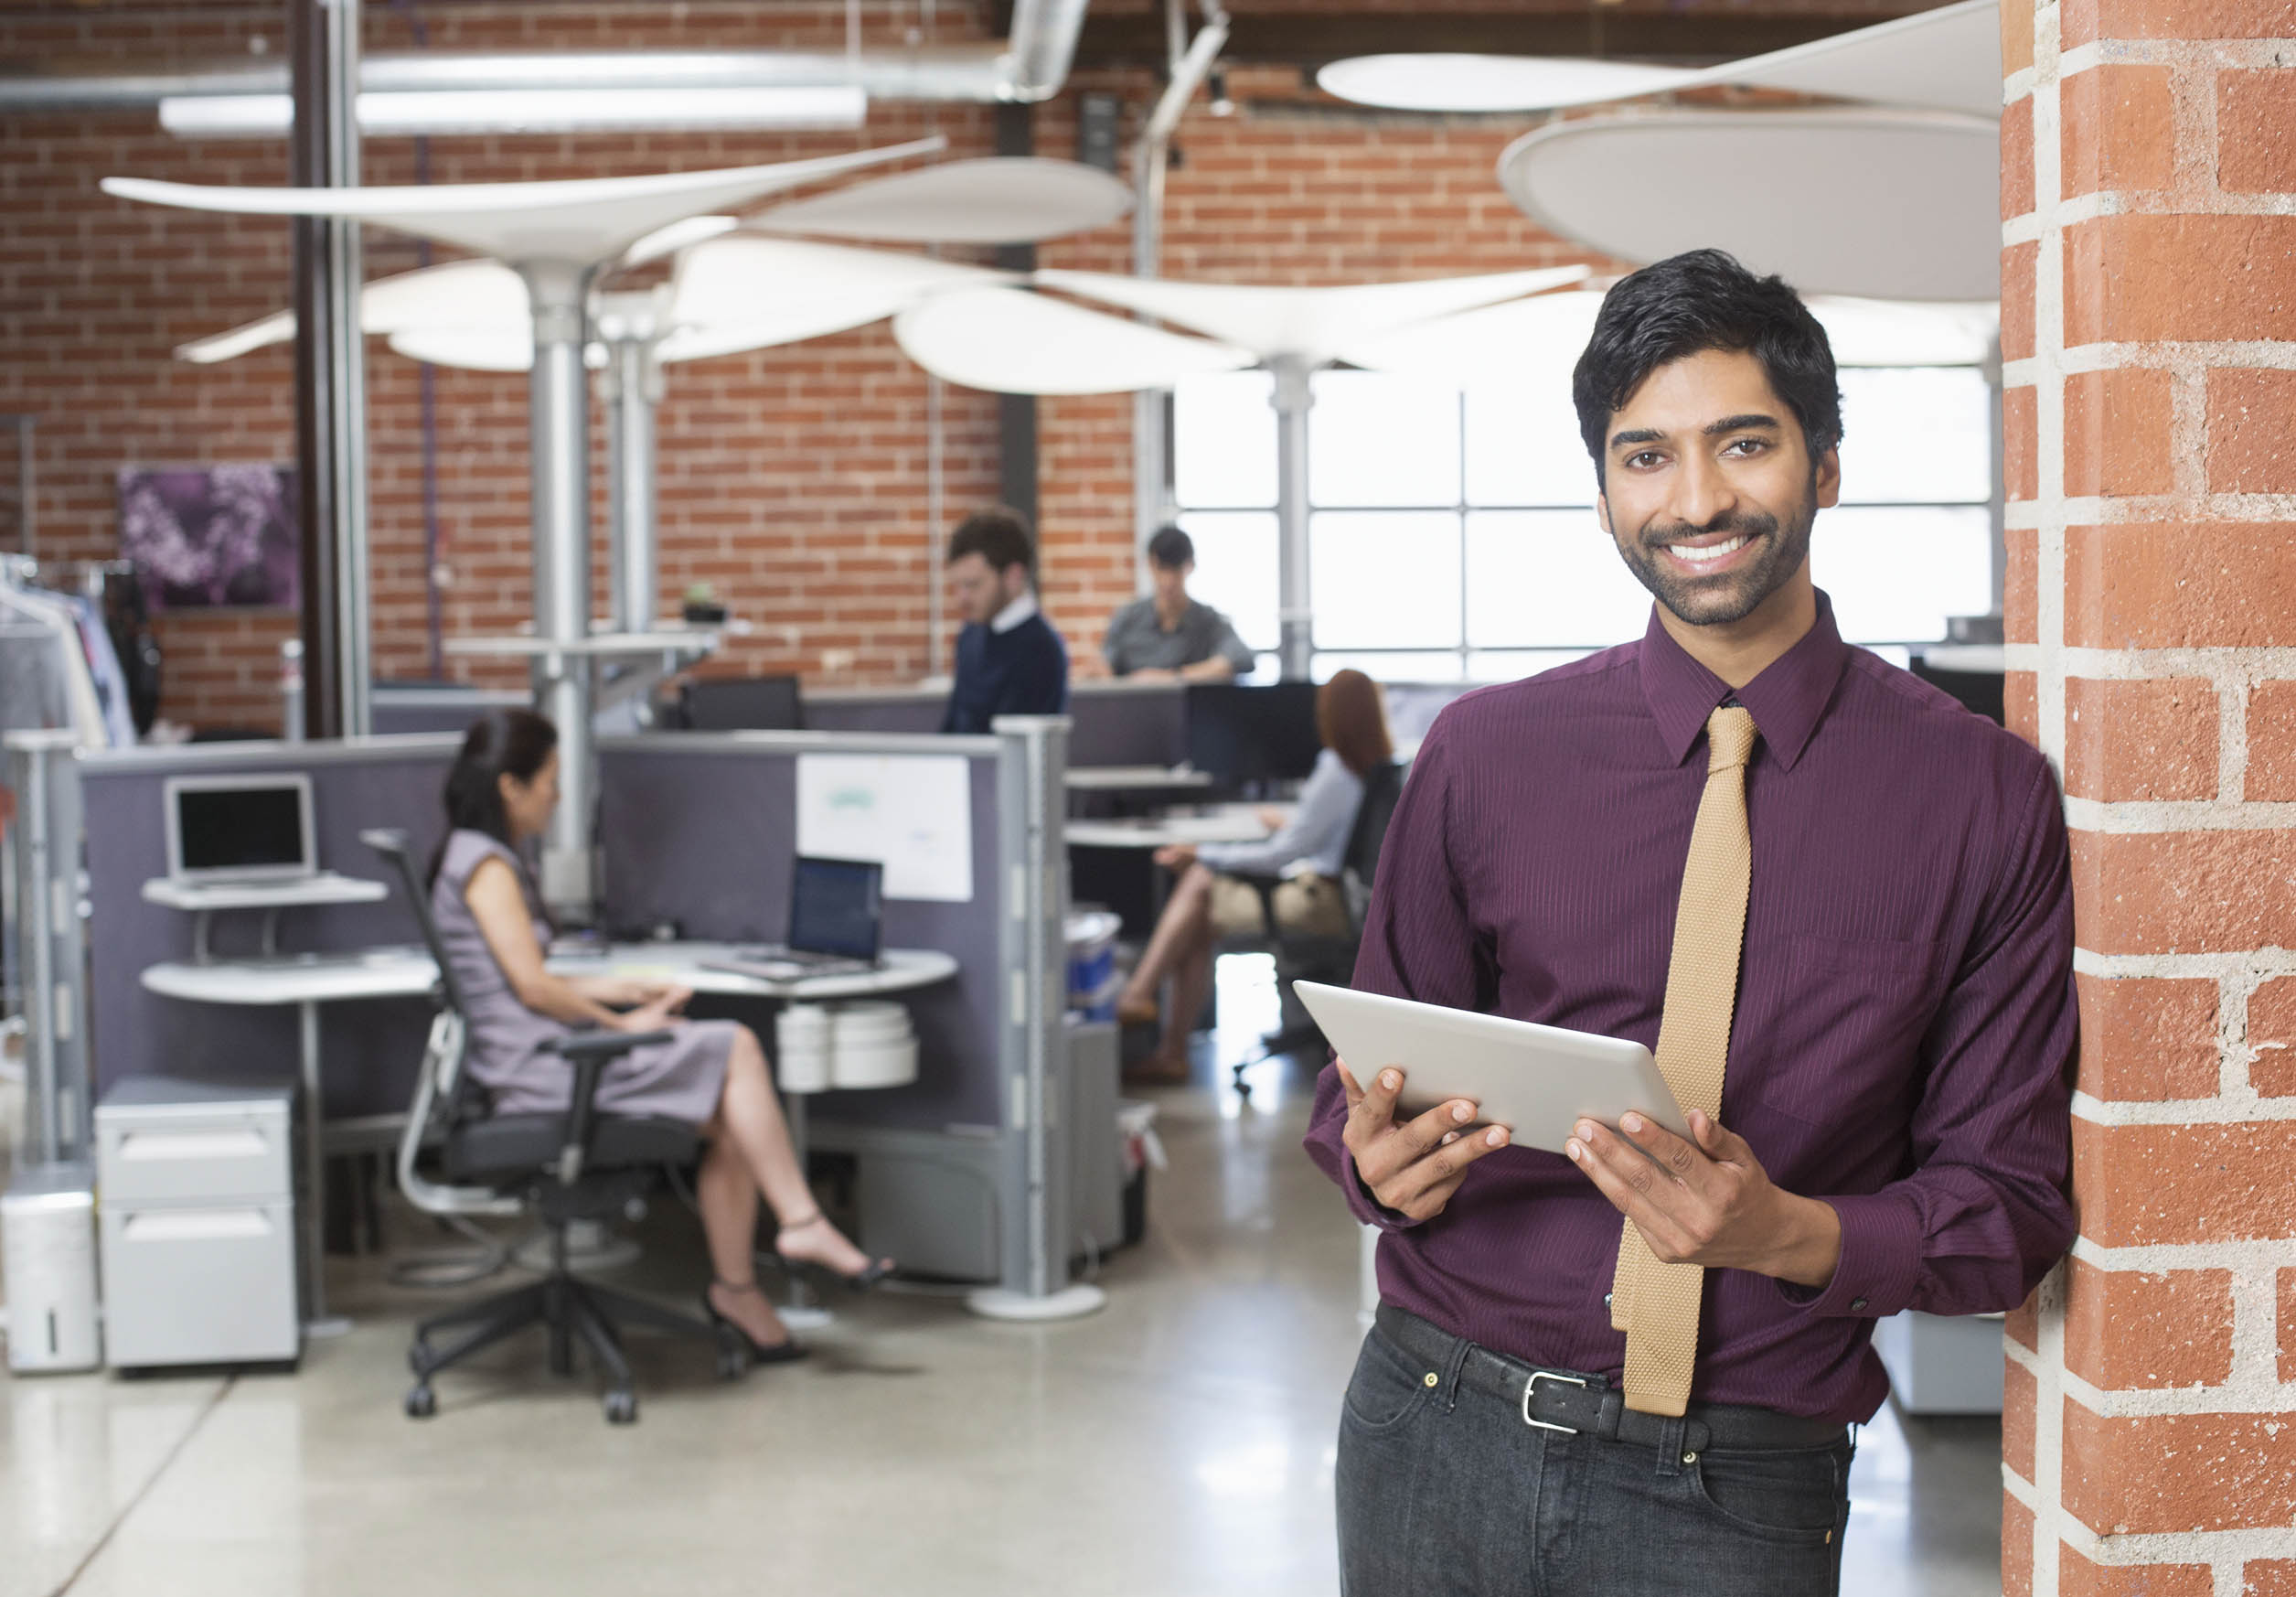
(1309, 325)
(1945, 60)
(460, 294)
(1879, 204)
(1463, 83)
(995, 199)
(1537, 341)
(580, 220)
(742, 280)
(1007, 340)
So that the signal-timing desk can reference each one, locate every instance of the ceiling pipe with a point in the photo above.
(1029, 67)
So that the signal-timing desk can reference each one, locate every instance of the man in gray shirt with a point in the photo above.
(1168, 636)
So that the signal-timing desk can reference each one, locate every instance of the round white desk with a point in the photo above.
(306, 981)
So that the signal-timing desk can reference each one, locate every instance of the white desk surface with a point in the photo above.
(1123, 779)
(1228, 823)
(407, 973)
(304, 893)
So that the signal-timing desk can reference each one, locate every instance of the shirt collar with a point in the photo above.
(1786, 699)
(1012, 614)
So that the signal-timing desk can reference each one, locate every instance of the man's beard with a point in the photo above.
(1778, 551)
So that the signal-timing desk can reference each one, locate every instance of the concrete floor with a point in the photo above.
(1177, 1444)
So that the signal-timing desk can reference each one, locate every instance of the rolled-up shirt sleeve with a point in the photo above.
(1419, 942)
(1229, 644)
(1984, 1212)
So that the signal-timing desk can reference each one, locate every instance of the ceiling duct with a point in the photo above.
(1029, 66)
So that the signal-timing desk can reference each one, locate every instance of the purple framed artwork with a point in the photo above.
(206, 536)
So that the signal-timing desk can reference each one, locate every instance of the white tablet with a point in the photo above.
(1537, 1081)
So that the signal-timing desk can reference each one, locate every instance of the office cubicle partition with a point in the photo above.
(371, 1048)
(702, 829)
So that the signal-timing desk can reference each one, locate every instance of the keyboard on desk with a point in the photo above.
(774, 963)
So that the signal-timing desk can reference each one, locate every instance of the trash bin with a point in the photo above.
(1092, 982)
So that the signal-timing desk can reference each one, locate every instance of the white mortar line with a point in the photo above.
(2047, 367)
(2260, 962)
(2164, 1258)
(2232, 1109)
(2178, 815)
(2235, 1398)
(2221, 665)
(2218, 1547)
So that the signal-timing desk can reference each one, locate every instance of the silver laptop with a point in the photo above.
(240, 829)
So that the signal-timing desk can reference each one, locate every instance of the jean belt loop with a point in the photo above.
(1613, 1410)
(1672, 1454)
(1461, 1351)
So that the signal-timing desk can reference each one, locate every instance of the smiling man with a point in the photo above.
(1839, 907)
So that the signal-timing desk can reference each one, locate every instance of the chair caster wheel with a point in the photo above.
(733, 1361)
(421, 1402)
(621, 1408)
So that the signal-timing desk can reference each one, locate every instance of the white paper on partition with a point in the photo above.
(913, 812)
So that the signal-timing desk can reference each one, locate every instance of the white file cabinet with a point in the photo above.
(196, 1184)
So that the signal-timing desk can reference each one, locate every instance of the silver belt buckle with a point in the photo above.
(1532, 1386)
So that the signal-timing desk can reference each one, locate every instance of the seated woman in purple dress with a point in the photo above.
(710, 1074)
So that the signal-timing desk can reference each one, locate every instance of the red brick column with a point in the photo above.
(2148, 342)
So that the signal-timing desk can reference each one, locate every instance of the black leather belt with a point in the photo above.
(1555, 1399)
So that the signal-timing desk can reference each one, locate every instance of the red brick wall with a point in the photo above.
(794, 480)
(2148, 280)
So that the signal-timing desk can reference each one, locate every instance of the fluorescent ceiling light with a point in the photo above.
(1446, 82)
(532, 111)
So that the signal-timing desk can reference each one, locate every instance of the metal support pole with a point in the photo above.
(1036, 1239)
(559, 444)
(1295, 606)
(1188, 65)
(331, 376)
(51, 945)
(292, 712)
(632, 325)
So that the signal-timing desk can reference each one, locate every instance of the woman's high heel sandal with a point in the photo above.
(866, 1277)
(788, 1350)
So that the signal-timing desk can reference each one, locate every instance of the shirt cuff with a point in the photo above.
(1880, 1263)
(1366, 1207)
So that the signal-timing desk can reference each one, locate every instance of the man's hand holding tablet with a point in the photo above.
(1412, 1167)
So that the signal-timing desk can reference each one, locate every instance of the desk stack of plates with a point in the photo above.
(845, 1046)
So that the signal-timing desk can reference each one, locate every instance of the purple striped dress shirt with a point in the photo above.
(1903, 1037)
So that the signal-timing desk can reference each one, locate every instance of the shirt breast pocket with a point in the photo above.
(1845, 1035)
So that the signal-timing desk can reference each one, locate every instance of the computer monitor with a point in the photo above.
(239, 828)
(1258, 733)
(742, 705)
(837, 907)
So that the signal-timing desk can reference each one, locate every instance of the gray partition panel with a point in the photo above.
(700, 830)
(371, 1050)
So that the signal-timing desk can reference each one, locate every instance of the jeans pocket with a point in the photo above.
(1793, 1495)
(1385, 1390)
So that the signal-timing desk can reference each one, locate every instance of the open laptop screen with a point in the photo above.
(241, 829)
(836, 906)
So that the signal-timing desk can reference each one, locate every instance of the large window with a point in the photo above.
(1452, 535)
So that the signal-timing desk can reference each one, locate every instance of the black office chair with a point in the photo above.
(578, 1166)
(1324, 957)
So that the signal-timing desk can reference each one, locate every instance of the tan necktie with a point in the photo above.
(1656, 1305)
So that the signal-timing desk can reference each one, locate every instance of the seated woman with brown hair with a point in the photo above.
(1308, 848)
(710, 1074)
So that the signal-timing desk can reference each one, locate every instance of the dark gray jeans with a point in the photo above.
(1446, 1493)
